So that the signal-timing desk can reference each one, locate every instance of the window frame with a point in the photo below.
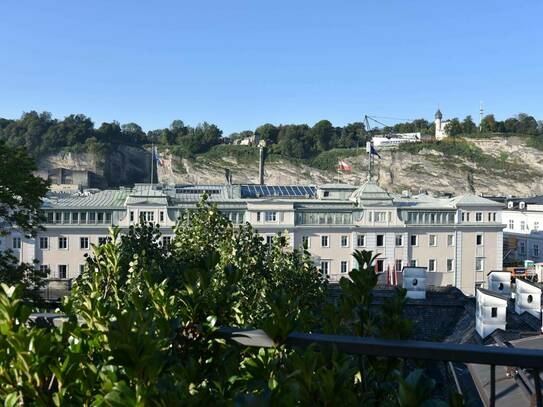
(43, 239)
(327, 237)
(434, 236)
(83, 239)
(65, 239)
(411, 240)
(346, 242)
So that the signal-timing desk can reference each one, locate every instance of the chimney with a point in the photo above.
(261, 148)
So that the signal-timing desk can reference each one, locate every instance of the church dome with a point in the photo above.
(438, 114)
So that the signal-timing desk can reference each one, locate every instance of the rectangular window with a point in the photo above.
(62, 242)
(413, 263)
(432, 265)
(102, 240)
(478, 216)
(58, 217)
(44, 268)
(522, 225)
(380, 240)
(166, 240)
(62, 271)
(398, 265)
(479, 263)
(92, 217)
(344, 241)
(523, 248)
(50, 217)
(100, 217)
(108, 217)
(361, 240)
(450, 240)
(450, 265)
(493, 216)
(81, 268)
(536, 226)
(494, 312)
(16, 243)
(380, 217)
(147, 216)
(271, 216)
(325, 241)
(44, 242)
(258, 216)
(269, 240)
(399, 240)
(432, 240)
(536, 250)
(511, 224)
(306, 242)
(325, 267)
(162, 216)
(75, 217)
(83, 242)
(82, 217)
(414, 240)
(343, 267)
(479, 240)
(380, 266)
(131, 216)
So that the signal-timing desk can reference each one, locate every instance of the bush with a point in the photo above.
(328, 160)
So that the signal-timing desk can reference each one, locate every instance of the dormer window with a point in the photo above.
(326, 194)
(510, 205)
(522, 205)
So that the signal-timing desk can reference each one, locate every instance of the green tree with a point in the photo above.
(268, 132)
(488, 124)
(324, 135)
(468, 125)
(454, 127)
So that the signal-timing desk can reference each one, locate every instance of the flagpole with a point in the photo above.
(152, 163)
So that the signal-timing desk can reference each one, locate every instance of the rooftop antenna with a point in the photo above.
(481, 111)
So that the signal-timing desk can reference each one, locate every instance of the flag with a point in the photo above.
(343, 166)
(156, 157)
(373, 151)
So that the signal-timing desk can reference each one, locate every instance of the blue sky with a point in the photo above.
(240, 64)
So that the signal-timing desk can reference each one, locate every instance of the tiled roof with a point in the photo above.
(108, 198)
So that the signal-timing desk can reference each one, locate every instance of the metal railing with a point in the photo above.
(55, 289)
(529, 359)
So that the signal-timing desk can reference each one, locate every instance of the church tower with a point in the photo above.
(438, 116)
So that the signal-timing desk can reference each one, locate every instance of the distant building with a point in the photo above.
(393, 140)
(440, 124)
(458, 240)
(247, 141)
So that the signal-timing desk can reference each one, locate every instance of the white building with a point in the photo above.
(440, 124)
(393, 140)
(523, 233)
(458, 240)
(491, 312)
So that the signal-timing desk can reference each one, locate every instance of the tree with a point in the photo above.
(267, 132)
(488, 124)
(21, 195)
(324, 135)
(468, 125)
(133, 133)
(453, 128)
(352, 135)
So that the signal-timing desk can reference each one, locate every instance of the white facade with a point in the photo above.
(457, 239)
(440, 124)
(527, 298)
(385, 141)
(414, 281)
(491, 312)
(500, 282)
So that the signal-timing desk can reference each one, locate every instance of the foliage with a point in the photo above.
(141, 327)
(328, 160)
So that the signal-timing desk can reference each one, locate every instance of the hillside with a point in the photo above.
(493, 165)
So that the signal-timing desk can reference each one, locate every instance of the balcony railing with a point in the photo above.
(529, 359)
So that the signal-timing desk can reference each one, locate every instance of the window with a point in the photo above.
(108, 217)
(131, 216)
(414, 240)
(16, 243)
(494, 312)
(479, 240)
(344, 241)
(450, 265)
(450, 240)
(44, 268)
(511, 224)
(325, 267)
(83, 242)
(44, 242)
(162, 216)
(361, 240)
(478, 216)
(326, 194)
(398, 265)
(380, 265)
(82, 217)
(479, 264)
(432, 240)
(62, 271)
(465, 216)
(522, 225)
(399, 240)
(380, 217)
(530, 299)
(522, 248)
(166, 240)
(380, 240)
(100, 217)
(536, 226)
(343, 268)
(271, 216)
(493, 216)
(258, 216)
(75, 217)
(92, 217)
(147, 216)
(413, 263)
(81, 268)
(325, 241)
(536, 250)
(306, 242)
(432, 265)
(62, 242)
(102, 240)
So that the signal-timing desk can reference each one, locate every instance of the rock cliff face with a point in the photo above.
(514, 169)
